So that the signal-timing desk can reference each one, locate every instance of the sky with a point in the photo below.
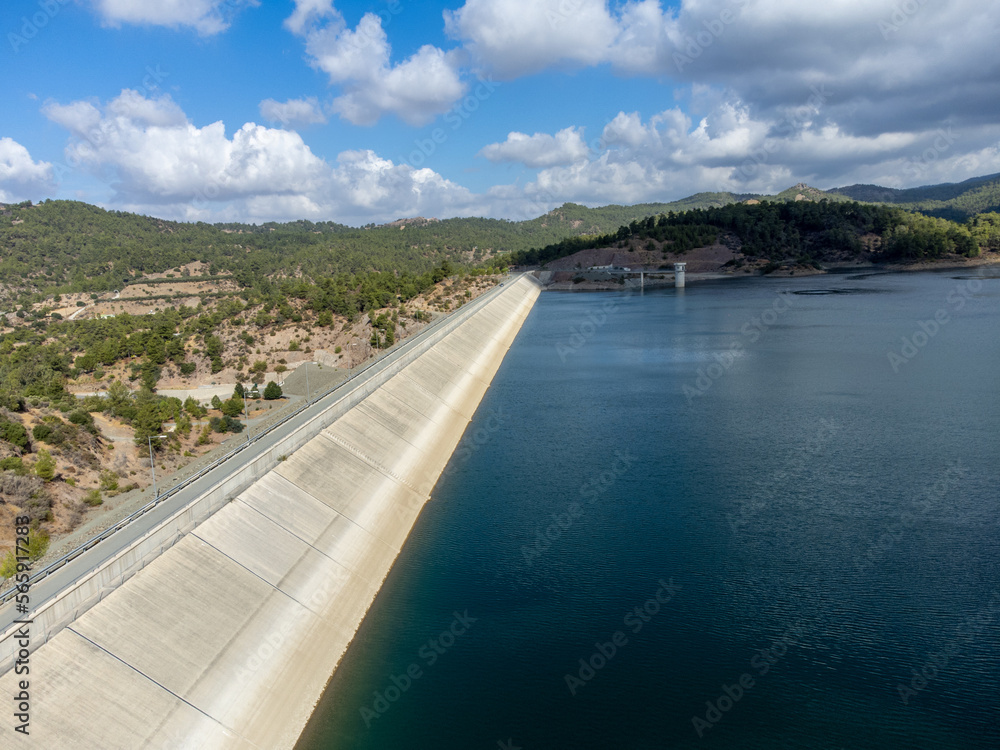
(359, 112)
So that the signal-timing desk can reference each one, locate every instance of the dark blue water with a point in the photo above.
(818, 519)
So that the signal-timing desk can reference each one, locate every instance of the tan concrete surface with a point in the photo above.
(228, 638)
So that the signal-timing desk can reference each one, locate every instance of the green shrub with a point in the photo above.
(225, 424)
(45, 466)
(12, 463)
(93, 498)
(82, 418)
(109, 480)
(38, 545)
(272, 391)
(15, 434)
(231, 407)
(41, 432)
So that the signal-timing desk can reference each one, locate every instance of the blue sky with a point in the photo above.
(221, 110)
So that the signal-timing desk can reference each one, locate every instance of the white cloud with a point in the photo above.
(78, 116)
(306, 111)
(158, 154)
(308, 12)
(670, 156)
(540, 150)
(22, 178)
(207, 17)
(417, 90)
(888, 63)
(518, 37)
(159, 162)
(379, 187)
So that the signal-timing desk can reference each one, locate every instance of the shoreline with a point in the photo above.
(829, 269)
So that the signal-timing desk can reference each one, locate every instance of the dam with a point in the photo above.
(220, 626)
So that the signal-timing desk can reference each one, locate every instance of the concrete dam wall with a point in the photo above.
(228, 638)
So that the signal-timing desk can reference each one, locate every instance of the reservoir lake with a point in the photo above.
(757, 513)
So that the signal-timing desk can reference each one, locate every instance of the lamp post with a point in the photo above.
(152, 465)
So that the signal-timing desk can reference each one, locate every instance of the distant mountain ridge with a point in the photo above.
(73, 246)
(942, 192)
(954, 201)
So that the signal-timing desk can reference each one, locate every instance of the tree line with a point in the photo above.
(794, 229)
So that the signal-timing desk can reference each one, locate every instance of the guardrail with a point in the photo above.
(428, 330)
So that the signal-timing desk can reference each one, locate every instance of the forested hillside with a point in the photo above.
(954, 201)
(802, 230)
(65, 246)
